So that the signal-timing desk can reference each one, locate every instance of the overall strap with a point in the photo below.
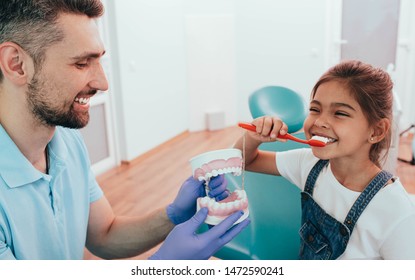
(312, 176)
(365, 197)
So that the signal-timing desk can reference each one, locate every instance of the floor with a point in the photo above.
(153, 179)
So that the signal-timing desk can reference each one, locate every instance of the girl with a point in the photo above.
(351, 209)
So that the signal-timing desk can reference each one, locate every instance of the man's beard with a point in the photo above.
(46, 113)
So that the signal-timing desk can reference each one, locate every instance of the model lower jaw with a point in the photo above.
(234, 202)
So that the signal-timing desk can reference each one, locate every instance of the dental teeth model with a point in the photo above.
(214, 163)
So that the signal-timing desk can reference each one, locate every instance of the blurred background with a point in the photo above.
(175, 65)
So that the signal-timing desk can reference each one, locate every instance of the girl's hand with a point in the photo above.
(268, 128)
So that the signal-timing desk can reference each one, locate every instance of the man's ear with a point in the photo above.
(380, 130)
(14, 63)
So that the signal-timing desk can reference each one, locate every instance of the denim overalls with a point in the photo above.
(322, 236)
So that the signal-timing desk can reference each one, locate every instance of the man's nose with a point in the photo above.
(99, 79)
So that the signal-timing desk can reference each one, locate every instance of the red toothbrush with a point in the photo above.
(311, 142)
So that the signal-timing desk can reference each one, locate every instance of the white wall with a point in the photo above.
(151, 75)
(177, 59)
(405, 63)
(279, 42)
(210, 68)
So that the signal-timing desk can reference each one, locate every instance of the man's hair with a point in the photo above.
(32, 24)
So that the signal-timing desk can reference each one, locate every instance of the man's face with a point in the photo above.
(71, 74)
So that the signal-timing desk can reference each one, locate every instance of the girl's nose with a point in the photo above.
(321, 122)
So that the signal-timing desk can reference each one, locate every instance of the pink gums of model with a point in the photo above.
(212, 164)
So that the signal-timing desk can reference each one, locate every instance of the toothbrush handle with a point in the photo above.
(288, 136)
(292, 138)
(247, 126)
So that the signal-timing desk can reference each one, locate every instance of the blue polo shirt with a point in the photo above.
(45, 216)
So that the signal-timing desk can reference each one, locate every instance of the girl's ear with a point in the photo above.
(380, 131)
(14, 63)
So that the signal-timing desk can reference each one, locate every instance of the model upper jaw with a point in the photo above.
(208, 165)
(219, 167)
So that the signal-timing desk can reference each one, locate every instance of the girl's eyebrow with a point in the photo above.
(315, 102)
(334, 104)
(340, 104)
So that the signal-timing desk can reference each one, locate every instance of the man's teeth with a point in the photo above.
(323, 139)
(82, 100)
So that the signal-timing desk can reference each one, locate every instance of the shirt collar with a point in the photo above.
(15, 168)
(58, 150)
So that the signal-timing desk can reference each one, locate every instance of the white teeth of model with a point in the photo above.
(231, 206)
(244, 200)
(211, 202)
(215, 207)
(204, 201)
(237, 204)
(223, 206)
(238, 171)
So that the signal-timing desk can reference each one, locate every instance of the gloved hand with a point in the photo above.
(184, 205)
(184, 244)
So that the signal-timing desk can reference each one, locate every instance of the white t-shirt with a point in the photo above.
(386, 228)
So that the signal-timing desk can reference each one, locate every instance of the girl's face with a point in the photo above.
(335, 114)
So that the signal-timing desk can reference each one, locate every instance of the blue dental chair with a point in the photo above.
(274, 203)
(279, 101)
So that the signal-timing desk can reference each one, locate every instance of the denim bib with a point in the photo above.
(322, 236)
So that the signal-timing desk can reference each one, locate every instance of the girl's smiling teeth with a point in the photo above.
(323, 138)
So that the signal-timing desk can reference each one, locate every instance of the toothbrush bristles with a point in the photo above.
(318, 141)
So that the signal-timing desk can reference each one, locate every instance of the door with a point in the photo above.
(370, 31)
(100, 134)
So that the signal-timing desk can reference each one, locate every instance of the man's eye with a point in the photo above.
(313, 109)
(81, 65)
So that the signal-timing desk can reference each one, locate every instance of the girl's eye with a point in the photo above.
(341, 113)
(314, 109)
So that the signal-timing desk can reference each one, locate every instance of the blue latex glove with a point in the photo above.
(183, 243)
(184, 205)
